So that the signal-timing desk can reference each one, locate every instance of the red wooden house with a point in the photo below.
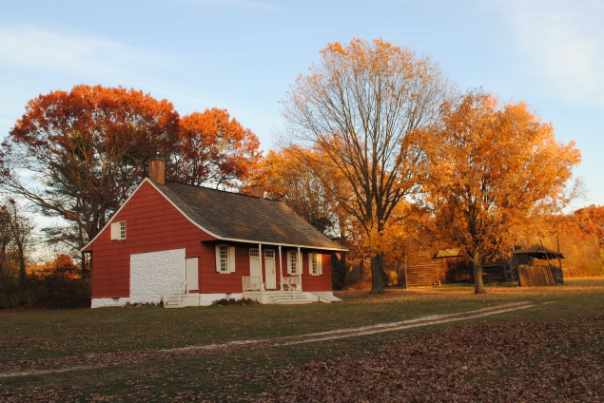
(187, 245)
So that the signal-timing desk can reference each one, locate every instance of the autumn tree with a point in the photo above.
(357, 108)
(408, 232)
(5, 239)
(590, 221)
(491, 168)
(214, 149)
(288, 178)
(88, 149)
(20, 229)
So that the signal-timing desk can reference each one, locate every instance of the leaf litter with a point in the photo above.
(521, 362)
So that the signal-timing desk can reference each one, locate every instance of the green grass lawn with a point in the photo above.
(31, 335)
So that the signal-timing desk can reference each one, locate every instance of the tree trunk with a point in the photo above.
(377, 270)
(478, 284)
(21, 258)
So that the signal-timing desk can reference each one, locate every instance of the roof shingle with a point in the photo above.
(238, 217)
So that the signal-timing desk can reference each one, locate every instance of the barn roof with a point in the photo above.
(242, 218)
(456, 252)
(538, 251)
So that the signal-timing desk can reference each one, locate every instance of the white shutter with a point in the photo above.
(319, 264)
(231, 264)
(218, 258)
(115, 231)
(315, 264)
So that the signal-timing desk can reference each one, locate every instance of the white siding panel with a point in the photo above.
(151, 273)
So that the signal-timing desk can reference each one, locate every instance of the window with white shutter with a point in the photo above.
(118, 231)
(315, 264)
(292, 262)
(225, 259)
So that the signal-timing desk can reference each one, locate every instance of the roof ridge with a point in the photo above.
(223, 191)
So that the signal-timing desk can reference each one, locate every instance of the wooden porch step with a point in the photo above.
(289, 297)
(185, 300)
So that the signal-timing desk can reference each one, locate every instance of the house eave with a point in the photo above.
(287, 245)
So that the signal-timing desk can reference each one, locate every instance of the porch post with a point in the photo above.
(280, 270)
(301, 266)
(261, 266)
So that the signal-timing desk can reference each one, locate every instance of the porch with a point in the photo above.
(177, 296)
(289, 292)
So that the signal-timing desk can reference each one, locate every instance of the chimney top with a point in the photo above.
(157, 170)
(257, 191)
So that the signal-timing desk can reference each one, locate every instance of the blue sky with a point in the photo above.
(242, 55)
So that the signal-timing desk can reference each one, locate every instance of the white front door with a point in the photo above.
(192, 274)
(269, 269)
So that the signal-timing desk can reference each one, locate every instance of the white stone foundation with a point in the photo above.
(107, 302)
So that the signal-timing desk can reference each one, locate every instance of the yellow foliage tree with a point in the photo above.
(491, 168)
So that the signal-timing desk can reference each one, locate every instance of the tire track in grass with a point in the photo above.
(101, 360)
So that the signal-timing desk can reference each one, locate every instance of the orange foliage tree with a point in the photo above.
(88, 148)
(579, 237)
(356, 109)
(214, 148)
(62, 266)
(290, 179)
(590, 221)
(492, 168)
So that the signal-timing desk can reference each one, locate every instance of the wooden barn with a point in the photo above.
(186, 246)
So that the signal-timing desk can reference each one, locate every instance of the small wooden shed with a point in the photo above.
(425, 269)
(536, 266)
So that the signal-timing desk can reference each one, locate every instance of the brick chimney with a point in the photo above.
(157, 170)
(257, 191)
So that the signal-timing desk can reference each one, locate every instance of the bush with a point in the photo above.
(53, 291)
(233, 301)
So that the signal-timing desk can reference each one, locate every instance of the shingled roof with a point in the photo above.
(539, 251)
(242, 218)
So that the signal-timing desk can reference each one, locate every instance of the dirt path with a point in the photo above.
(91, 361)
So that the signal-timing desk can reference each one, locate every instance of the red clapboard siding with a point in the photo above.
(152, 224)
(317, 283)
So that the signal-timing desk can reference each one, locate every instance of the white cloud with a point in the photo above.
(36, 49)
(561, 42)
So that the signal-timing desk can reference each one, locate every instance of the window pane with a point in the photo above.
(224, 258)
(294, 261)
